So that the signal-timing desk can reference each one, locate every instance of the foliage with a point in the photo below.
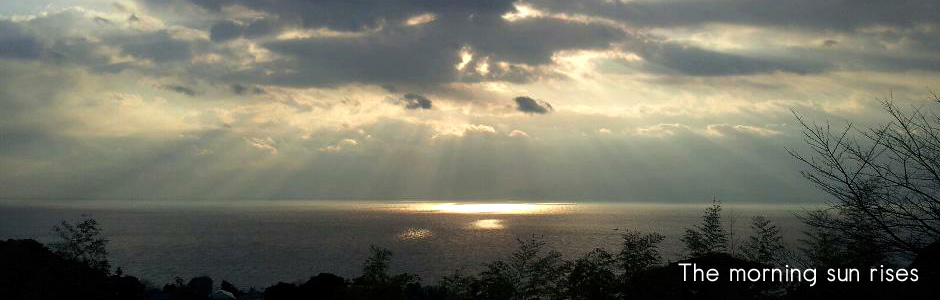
(766, 245)
(82, 242)
(456, 286)
(829, 245)
(640, 252)
(709, 237)
(531, 273)
(886, 175)
(593, 277)
(375, 268)
(377, 283)
(31, 271)
(231, 288)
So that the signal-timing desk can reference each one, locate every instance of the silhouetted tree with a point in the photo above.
(30, 271)
(82, 242)
(282, 291)
(536, 272)
(530, 273)
(456, 286)
(887, 175)
(375, 268)
(200, 287)
(127, 287)
(766, 245)
(708, 237)
(640, 252)
(324, 286)
(231, 288)
(497, 282)
(376, 283)
(593, 277)
(827, 245)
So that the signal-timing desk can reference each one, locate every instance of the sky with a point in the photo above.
(554, 100)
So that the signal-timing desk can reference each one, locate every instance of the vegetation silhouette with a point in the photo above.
(82, 242)
(885, 180)
(532, 271)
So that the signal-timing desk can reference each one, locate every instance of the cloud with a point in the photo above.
(266, 144)
(338, 147)
(182, 89)
(415, 101)
(16, 43)
(79, 110)
(159, 46)
(351, 16)
(332, 43)
(518, 133)
(715, 130)
(245, 90)
(445, 129)
(692, 60)
(662, 130)
(225, 31)
(832, 15)
(739, 130)
(532, 106)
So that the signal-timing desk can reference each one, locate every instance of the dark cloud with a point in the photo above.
(245, 90)
(356, 15)
(17, 43)
(103, 21)
(415, 101)
(185, 90)
(691, 60)
(821, 14)
(426, 57)
(225, 31)
(158, 46)
(532, 106)
(375, 46)
(385, 51)
(27, 40)
(260, 28)
(534, 40)
(398, 59)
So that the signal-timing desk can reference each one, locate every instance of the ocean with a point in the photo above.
(259, 243)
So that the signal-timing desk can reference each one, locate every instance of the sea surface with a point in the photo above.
(258, 243)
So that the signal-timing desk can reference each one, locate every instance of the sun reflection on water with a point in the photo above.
(488, 224)
(415, 234)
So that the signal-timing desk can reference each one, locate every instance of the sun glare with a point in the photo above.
(484, 208)
(487, 208)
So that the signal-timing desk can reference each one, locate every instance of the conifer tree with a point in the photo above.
(708, 237)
